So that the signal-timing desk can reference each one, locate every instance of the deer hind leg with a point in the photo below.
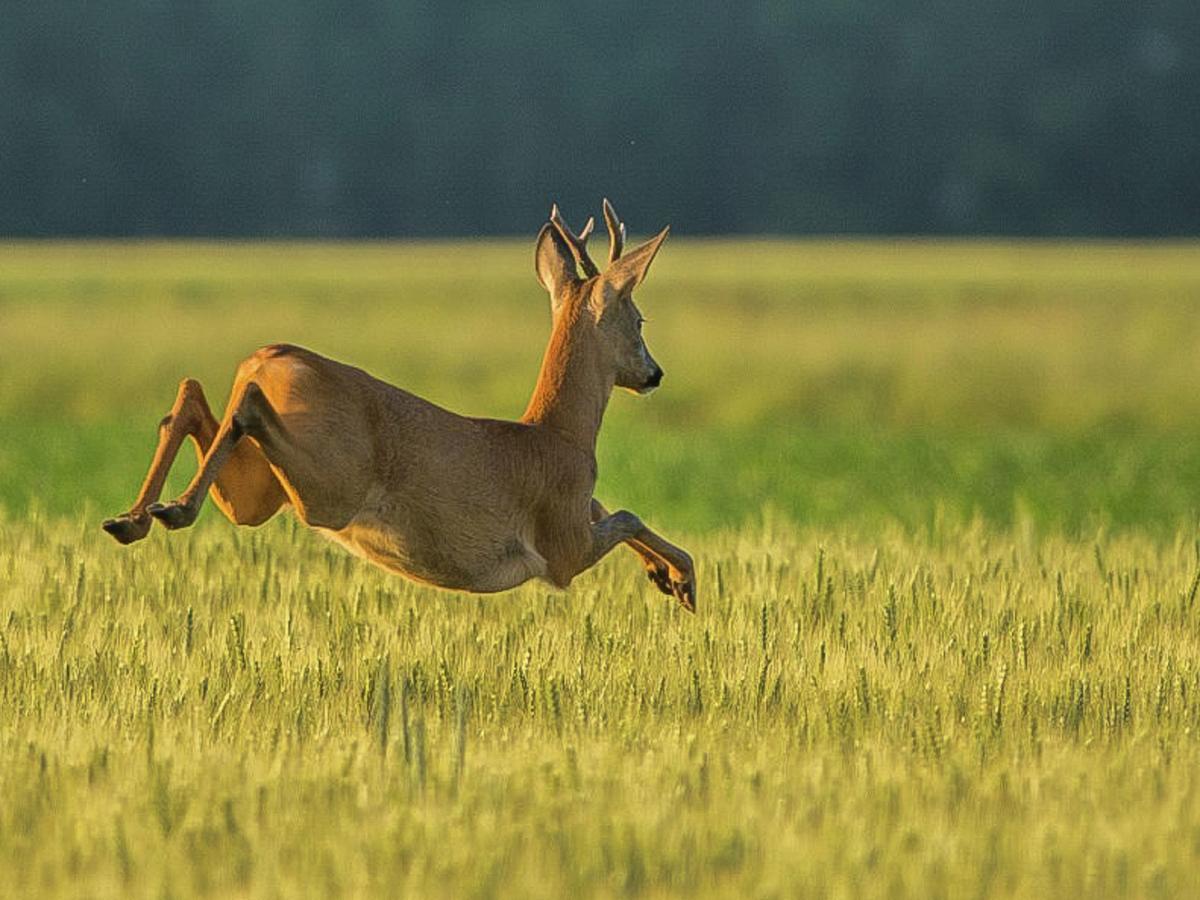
(246, 490)
(189, 417)
(237, 473)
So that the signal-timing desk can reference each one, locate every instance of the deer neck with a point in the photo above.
(573, 386)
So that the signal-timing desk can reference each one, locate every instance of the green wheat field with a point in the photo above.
(944, 501)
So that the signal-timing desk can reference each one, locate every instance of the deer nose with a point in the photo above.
(655, 379)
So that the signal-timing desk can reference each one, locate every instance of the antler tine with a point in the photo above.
(616, 232)
(576, 242)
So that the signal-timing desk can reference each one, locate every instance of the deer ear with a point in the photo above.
(630, 270)
(553, 261)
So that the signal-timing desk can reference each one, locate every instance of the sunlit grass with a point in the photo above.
(856, 714)
(943, 501)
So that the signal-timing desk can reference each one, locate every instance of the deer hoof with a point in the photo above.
(685, 592)
(127, 528)
(172, 515)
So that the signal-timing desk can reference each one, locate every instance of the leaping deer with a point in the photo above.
(468, 504)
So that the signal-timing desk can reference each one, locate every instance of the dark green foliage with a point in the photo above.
(416, 118)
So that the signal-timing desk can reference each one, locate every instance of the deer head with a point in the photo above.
(598, 308)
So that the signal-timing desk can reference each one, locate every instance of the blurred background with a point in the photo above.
(402, 118)
(983, 371)
(930, 426)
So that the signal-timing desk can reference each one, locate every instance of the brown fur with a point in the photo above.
(463, 503)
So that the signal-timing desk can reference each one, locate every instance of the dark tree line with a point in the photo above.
(364, 117)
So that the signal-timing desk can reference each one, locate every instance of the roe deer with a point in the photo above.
(468, 504)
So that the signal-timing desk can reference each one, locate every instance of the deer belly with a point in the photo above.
(458, 563)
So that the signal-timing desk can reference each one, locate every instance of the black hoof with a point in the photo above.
(126, 529)
(172, 515)
(686, 594)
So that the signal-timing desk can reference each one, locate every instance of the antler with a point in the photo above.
(616, 232)
(576, 242)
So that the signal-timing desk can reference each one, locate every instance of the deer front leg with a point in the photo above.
(656, 567)
(624, 527)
